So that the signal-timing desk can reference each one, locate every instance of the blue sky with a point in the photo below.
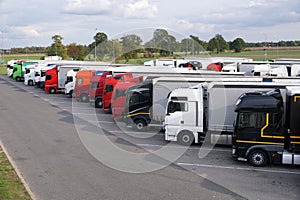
(33, 22)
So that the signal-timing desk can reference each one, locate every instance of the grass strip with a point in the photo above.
(11, 187)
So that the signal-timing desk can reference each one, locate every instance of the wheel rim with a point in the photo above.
(84, 98)
(140, 126)
(99, 103)
(258, 159)
(186, 138)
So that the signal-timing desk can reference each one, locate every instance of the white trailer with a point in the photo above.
(206, 112)
(172, 63)
(146, 102)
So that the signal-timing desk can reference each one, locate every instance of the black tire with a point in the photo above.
(52, 91)
(98, 103)
(30, 82)
(84, 98)
(186, 138)
(72, 95)
(18, 79)
(258, 158)
(140, 125)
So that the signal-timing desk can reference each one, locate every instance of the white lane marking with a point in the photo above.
(238, 168)
(136, 133)
(77, 107)
(92, 121)
(96, 114)
(197, 148)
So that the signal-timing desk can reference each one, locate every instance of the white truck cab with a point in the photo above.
(70, 82)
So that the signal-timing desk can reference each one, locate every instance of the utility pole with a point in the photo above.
(95, 45)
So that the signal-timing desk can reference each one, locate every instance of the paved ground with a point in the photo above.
(55, 144)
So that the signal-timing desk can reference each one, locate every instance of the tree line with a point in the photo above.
(132, 46)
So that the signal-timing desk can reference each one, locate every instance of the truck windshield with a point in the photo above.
(176, 106)
(119, 93)
(109, 88)
(94, 85)
(69, 79)
(79, 81)
(48, 77)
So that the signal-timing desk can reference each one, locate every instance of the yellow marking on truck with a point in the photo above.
(296, 97)
(256, 142)
(295, 142)
(263, 128)
(141, 113)
(296, 137)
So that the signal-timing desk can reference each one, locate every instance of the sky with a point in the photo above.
(34, 22)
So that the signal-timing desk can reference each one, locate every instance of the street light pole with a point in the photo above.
(265, 46)
(2, 48)
(95, 46)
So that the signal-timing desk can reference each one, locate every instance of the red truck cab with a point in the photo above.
(96, 89)
(215, 66)
(119, 95)
(82, 84)
(108, 88)
(51, 82)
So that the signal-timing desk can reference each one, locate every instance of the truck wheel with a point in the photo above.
(258, 158)
(98, 103)
(18, 79)
(52, 91)
(140, 125)
(185, 138)
(30, 83)
(84, 98)
(71, 94)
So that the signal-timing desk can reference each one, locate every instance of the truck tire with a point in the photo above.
(258, 158)
(18, 79)
(52, 91)
(84, 98)
(30, 82)
(186, 138)
(98, 103)
(140, 125)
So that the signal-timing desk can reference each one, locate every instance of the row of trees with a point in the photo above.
(130, 46)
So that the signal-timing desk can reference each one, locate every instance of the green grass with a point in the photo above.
(260, 55)
(3, 70)
(11, 188)
(23, 57)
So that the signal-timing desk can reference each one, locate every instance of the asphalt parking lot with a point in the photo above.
(70, 150)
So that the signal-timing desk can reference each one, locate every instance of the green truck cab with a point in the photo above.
(19, 69)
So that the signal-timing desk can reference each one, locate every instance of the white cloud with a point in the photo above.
(88, 7)
(198, 27)
(139, 9)
(205, 28)
(257, 3)
(28, 31)
(185, 24)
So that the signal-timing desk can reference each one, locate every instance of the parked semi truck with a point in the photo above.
(10, 67)
(70, 81)
(96, 89)
(267, 127)
(206, 112)
(56, 78)
(108, 88)
(145, 104)
(19, 69)
(119, 95)
(29, 74)
(82, 83)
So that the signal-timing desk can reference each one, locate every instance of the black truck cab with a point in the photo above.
(265, 127)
